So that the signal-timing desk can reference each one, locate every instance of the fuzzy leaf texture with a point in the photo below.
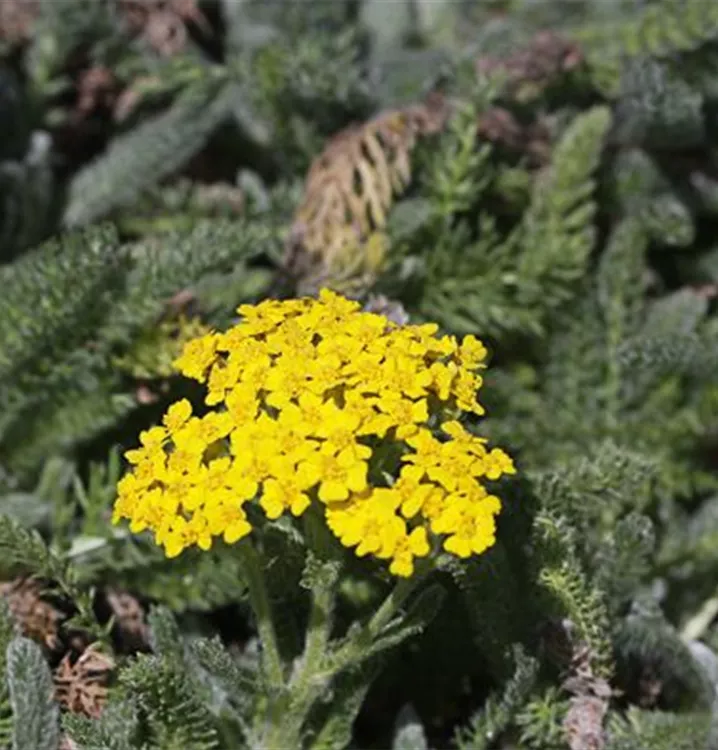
(558, 232)
(409, 733)
(498, 712)
(23, 551)
(659, 730)
(172, 713)
(149, 153)
(661, 29)
(116, 729)
(7, 633)
(35, 715)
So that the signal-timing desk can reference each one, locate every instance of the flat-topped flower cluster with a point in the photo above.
(321, 403)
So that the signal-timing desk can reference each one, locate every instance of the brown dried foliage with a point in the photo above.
(590, 693)
(530, 70)
(499, 126)
(81, 688)
(97, 90)
(588, 706)
(36, 618)
(17, 18)
(129, 619)
(66, 743)
(163, 23)
(352, 184)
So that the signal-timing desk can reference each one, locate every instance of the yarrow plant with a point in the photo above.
(314, 402)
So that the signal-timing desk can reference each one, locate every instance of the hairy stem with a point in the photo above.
(291, 711)
(259, 601)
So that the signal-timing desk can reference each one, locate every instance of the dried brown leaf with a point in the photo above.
(96, 87)
(36, 618)
(81, 687)
(530, 70)
(163, 23)
(17, 18)
(352, 184)
(129, 618)
(590, 697)
(583, 723)
(499, 126)
(66, 743)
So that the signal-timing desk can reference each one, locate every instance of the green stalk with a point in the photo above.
(391, 605)
(290, 712)
(381, 618)
(259, 601)
(316, 642)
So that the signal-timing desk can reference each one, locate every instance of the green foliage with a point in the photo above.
(661, 29)
(25, 551)
(565, 214)
(409, 733)
(493, 591)
(500, 710)
(7, 631)
(149, 153)
(647, 637)
(35, 715)
(237, 678)
(659, 730)
(557, 232)
(171, 714)
(477, 279)
(73, 305)
(570, 592)
(541, 721)
(116, 729)
(349, 695)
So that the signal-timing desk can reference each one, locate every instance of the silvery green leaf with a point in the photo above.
(409, 732)
(35, 715)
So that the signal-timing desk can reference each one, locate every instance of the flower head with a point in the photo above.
(315, 402)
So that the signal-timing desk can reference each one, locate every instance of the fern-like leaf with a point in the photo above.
(149, 153)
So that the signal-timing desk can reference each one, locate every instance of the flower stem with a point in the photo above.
(398, 595)
(317, 638)
(290, 711)
(259, 601)
(381, 618)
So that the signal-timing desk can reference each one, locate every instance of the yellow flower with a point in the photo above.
(442, 378)
(287, 490)
(474, 445)
(464, 389)
(340, 475)
(411, 491)
(339, 430)
(242, 405)
(307, 415)
(498, 463)
(197, 356)
(313, 401)
(403, 376)
(222, 377)
(470, 524)
(229, 520)
(151, 441)
(323, 373)
(406, 415)
(416, 544)
(472, 353)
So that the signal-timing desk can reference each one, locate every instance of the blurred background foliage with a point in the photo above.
(542, 173)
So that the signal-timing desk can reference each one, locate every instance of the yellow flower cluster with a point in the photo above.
(320, 402)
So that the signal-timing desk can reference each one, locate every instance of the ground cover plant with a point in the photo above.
(358, 374)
